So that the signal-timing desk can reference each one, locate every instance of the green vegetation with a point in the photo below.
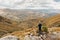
(45, 29)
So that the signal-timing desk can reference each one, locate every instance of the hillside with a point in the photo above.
(9, 26)
(21, 15)
(13, 21)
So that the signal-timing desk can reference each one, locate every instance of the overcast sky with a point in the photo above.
(30, 4)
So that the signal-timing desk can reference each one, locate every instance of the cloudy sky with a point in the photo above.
(30, 4)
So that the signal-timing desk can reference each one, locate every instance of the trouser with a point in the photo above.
(40, 33)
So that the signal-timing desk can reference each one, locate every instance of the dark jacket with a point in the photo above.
(39, 27)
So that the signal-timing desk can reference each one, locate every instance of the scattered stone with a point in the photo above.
(9, 37)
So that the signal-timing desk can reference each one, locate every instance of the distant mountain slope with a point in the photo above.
(19, 15)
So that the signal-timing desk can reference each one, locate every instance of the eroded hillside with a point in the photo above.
(11, 21)
(9, 26)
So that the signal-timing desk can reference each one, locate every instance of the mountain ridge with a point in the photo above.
(24, 14)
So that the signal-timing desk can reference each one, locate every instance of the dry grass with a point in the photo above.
(23, 27)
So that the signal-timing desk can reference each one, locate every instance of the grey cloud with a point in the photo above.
(26, 4)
